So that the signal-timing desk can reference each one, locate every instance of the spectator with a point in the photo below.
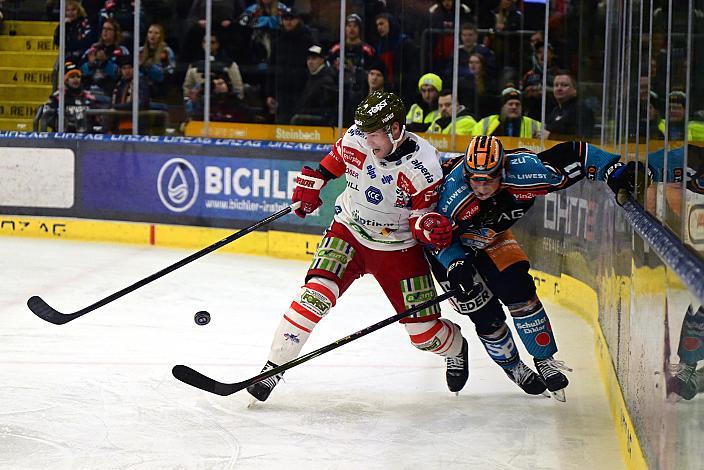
(123, 95)
(442, 17)
(477, 89)
(533, 96)
(318, 103)
(552, 67)
(219, 63)
(76, 104)
(358, 56)
(79, 32)
(399, 55)
(223, 26)
(100, 72)
(443, 123)
(675, 126)
(122, 12)
(506, 17)
(108, 41)
(510, 122)
(376, 78)
(91, 7)
(287, 73)
(159, 61)
(649, 103)
(530, 60)
(425, 110)
(468, 46)
(225, 105)
(570, 119)
(263, 19)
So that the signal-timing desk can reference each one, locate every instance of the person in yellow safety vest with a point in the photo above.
(423, 112)
(442, 124)
(511, 122)
(695, 129)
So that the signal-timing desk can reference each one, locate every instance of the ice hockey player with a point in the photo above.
(382, 220)
(484, 193)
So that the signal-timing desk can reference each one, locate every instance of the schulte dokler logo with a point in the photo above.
(178, 185)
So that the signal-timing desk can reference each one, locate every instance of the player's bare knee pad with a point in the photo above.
(438, 336)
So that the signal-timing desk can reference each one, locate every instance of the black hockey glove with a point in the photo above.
(460, 274)
(621, 178)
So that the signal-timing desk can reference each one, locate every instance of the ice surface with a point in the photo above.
(98, 391)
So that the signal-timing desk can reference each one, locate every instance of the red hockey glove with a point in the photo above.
(433, 229)
(309, 182)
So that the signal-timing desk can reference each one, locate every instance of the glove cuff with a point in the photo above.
(310, 182)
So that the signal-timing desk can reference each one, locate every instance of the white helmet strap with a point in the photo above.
(395, 142)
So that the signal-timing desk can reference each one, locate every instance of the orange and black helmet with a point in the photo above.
(484, 158)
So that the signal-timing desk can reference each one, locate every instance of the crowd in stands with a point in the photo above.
(278, 62)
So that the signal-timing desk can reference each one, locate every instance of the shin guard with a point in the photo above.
(501, 347)
(313, 302)
(534, 328)
(440, 336)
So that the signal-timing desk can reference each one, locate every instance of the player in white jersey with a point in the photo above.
(382, 219)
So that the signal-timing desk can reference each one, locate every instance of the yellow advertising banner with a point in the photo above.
(329, 135)
(234, 130)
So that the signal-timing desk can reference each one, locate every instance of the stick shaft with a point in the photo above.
(43, 310)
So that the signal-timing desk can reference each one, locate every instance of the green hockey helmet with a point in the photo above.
(378, 111)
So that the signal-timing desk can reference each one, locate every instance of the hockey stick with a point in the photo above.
(194, 378)
(44, 311)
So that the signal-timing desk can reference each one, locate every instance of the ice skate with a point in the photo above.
(549, 369)
(529, 381)
(457, 371)
(683, 381)
(262, 390)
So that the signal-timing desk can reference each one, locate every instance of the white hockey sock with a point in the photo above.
(314, 300)
(439, 336)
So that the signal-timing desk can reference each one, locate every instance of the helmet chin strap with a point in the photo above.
(395, 142)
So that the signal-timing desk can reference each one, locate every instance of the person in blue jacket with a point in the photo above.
(484, 193)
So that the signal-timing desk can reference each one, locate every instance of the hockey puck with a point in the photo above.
(202, 318)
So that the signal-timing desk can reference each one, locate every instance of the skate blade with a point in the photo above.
(546, 394)
(559, 395)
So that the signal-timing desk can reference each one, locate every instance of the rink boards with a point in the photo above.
(191, 192)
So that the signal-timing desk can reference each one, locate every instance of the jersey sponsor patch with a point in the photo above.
(418, 165)
(373, 195)
(371, 172)
(417, 290)
(525, 195)
(402, 199)
(353, 156)
(469, 212)
(478, 238)
(387, 179)
(404, 183)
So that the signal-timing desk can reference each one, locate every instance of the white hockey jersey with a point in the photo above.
(383, 198)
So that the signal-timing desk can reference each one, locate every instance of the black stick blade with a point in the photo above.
(195, 379)
(46, 312)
